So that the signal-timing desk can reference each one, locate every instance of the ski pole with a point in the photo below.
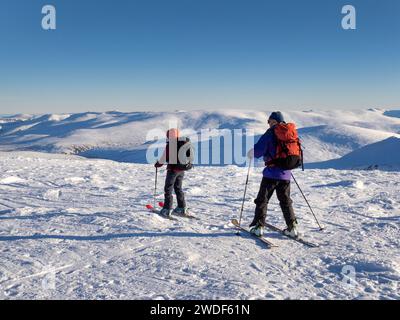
(244, 195)
(155, 188)
(312, 211)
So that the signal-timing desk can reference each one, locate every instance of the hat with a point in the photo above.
(278, 116)
(173, 133)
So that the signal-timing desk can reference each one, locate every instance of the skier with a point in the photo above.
(274, 178)
(175, 171)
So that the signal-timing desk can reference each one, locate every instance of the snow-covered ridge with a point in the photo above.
(380, 155)
(326, 135)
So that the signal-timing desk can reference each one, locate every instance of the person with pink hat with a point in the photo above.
(178, 163)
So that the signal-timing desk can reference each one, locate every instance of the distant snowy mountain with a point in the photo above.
(326, 135)
(331, 142)
(380, 155)
(393, 113)
(6, 118)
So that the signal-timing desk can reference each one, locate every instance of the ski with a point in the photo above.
(262, 239)
(188, 216)
(153, 210)
(300, 240)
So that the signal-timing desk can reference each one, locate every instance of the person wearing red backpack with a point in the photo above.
(280, 147)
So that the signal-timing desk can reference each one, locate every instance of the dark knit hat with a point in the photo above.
(278, 116)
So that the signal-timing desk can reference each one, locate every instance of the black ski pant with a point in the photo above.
(173, 182)
(267, 188)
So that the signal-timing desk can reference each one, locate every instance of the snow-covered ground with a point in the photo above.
(77, 228)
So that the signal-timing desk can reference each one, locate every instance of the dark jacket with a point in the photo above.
(174, 163)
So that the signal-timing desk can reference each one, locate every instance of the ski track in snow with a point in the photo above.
(85, 220)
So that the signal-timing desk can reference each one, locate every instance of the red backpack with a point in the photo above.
(289, 154)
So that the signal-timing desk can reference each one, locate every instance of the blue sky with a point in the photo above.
(198, 54)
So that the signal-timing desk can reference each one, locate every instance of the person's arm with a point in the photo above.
(163, 159)
(261, 147)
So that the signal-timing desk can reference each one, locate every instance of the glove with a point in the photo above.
(250, 154)
(158, 165)
(269, 164)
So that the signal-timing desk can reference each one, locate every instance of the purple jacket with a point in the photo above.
(266, 148)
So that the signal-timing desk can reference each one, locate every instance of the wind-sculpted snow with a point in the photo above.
(75, 228)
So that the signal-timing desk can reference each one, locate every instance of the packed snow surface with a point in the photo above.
(75, 228)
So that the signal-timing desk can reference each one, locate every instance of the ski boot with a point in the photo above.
(181, 211)
(166, 212)
(257, 230)
(292, 231)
